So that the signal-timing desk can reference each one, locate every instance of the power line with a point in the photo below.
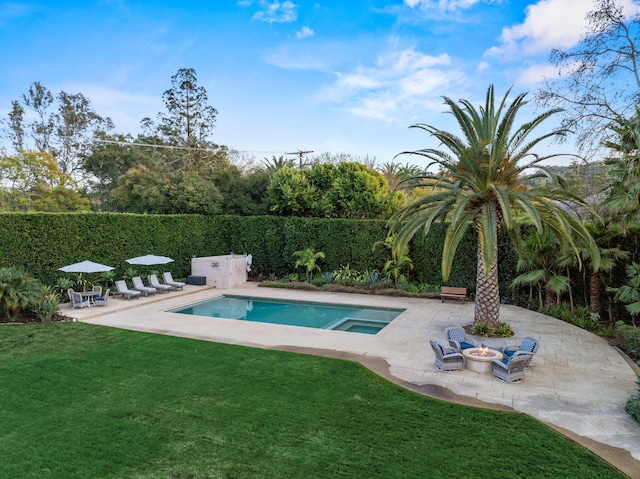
(151, 145)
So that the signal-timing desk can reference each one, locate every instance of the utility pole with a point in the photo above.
(300, 154)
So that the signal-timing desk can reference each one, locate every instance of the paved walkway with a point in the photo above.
(578, 383)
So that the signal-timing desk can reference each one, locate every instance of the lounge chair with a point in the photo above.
(138, 285)
(77, 301)
(458, 339)
(123, 290)
(166, 277)
(512, 369)
(101, 300)
(447, 358)
(154, 283)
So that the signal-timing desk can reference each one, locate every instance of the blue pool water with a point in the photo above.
(356, 319)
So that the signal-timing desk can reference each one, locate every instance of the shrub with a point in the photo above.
(628, 339)
(580, 316)
(504, 331)
(633, 404)
(18, 292)
(48, 307)
(481, 329)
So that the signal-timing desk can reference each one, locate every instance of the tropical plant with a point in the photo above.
(603, 231)
(539, 258)
(483, 183)
(623, 191)
(308, 259)
(344, 274)
(48, 306)
(630, 293)
(18, 292)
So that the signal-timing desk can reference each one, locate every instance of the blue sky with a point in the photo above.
(328, 75)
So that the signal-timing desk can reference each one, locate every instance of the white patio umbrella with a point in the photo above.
(149, 260)
(85, 267)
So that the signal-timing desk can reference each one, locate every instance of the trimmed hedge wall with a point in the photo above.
(43, 242)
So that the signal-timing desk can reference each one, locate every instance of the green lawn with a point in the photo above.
(82, 401)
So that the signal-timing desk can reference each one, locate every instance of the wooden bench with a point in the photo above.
(449, 292)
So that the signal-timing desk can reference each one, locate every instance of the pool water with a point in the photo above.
(355, 319)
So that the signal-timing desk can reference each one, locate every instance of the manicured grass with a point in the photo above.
(82, 401)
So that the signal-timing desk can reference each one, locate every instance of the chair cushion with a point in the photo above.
(508, 353)
(465, 345)
(457, 335)
(527, 345)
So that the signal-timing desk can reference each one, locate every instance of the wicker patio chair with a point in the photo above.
(528, 345)
(447, 358)
(102, 300)
(512, 369)
(458, 339)
(77, 301)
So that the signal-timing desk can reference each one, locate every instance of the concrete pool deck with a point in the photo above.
(578, 383)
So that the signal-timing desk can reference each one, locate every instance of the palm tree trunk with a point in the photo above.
(594, 292)
(487, 307)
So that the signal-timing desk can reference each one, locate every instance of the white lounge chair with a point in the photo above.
(138, 285)
(154, 283)
(123, 290)
(166, 277)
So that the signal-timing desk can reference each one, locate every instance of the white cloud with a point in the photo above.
(443, 5)
(304, 32)
(532, 75)
(548, 24)
(399, 82)
(244, 3)
(276, 12)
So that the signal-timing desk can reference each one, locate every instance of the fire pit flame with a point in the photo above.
(484, 351)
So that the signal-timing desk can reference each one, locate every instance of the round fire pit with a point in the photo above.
(479, 359)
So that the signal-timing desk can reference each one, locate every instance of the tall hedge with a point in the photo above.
(43, 242)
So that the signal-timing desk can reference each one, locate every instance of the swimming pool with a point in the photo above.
(355, 319)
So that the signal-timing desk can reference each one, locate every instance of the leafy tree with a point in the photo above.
(163, 192)
(308, 259)
(64, 125)
(290, 193)
(243, 193)
(110, 160)
(358, 192)
(35, 183)
(349, 190)
(482, 185)
(599, 79)
(188, 122)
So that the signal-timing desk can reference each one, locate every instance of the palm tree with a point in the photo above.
(308, 258)
(540, 260)
(481, 184)
(603, 231)
(623, 192)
